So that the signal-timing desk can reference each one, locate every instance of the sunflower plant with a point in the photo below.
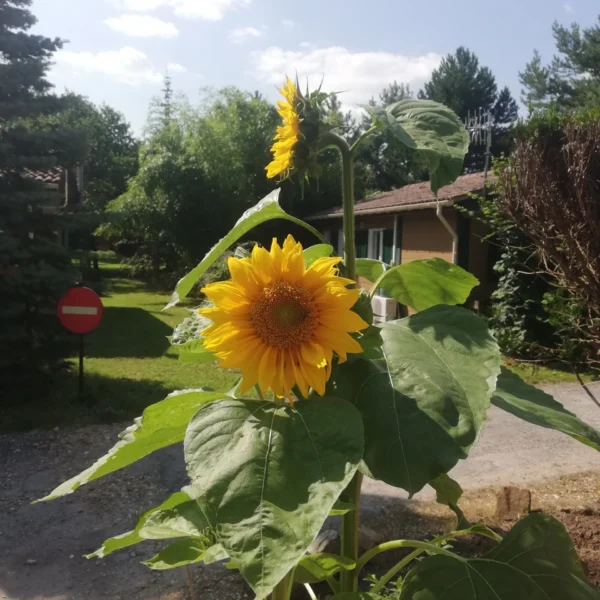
(327, 397)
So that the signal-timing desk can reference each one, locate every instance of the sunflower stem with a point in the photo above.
(350, 523)
(328, 140)
(350, 526)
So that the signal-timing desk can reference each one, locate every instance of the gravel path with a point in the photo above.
(41, 545)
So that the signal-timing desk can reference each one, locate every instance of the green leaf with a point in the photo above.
(536, 406)
(318, 567)
(362, 307)
(370, 341)
(317, 251)
(435, 130)
(178, 554)
(449, 492)
(425, 402)
(384, 119)
(355, 596)
(370, 268)
(266, 476)
(341, 508)
(535, 561)
(214, 554)
(133, 537)
(184, 520)
(267, 209)
(190, 329)
(422, 284)
(193, 352)
(162, 424)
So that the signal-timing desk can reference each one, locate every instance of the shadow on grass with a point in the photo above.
(104, 400)
(128, 333)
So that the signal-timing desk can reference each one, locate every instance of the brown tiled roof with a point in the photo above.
(409, 196)
(50, 176)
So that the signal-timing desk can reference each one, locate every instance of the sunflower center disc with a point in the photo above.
(284, 315)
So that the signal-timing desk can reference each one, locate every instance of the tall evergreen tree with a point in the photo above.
(572, 79)
(465, 86)
(34, 268)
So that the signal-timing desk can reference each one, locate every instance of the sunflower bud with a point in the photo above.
(296, 143)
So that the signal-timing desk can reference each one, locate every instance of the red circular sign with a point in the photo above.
(80, 310)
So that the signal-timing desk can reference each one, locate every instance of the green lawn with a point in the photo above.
(128, 363)
(539, 374)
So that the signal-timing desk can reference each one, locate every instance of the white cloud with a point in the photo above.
(176, 68)
(127, 65)
(359, 75)
(142, 26)
(569, 7)
(288, 24)
(243, 34)
(208, 10)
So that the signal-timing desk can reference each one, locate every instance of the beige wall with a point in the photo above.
(424, 236)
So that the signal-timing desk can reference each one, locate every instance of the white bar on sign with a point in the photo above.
(79, 310)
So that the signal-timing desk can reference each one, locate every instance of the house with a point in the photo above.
(64, 187)
(64, 192)
(410, 223)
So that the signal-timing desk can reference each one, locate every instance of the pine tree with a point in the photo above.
(465, 86)
(35, 270)
(572, 79)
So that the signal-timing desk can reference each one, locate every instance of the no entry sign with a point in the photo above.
(80, 310)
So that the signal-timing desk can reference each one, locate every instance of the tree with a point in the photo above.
(34, 268)
(196, 173)
(551, 194)
(572, 80)
(463, 85)
(110, 150)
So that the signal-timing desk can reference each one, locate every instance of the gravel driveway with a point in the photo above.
(41, 545)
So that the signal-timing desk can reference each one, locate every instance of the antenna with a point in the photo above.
(479, 125)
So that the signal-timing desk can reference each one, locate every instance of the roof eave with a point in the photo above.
(394, 209)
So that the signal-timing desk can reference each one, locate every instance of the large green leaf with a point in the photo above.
(162, 424)
(317, 251)
(535, 561)
(267, 209)
(422, 284)
(536, 406)
(318, 567)
(436, 131)
(425, 402)
(370, 269)
(355, 596)
(179, 553)
(133, 537)
(266, 476)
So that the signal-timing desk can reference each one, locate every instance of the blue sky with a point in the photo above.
(119, 50)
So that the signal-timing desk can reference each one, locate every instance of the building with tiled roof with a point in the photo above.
(410, 223)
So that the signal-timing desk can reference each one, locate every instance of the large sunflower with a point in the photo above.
(287, 134)
(280, 322)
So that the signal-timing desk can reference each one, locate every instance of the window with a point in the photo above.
(362, 243)
(381, 244)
